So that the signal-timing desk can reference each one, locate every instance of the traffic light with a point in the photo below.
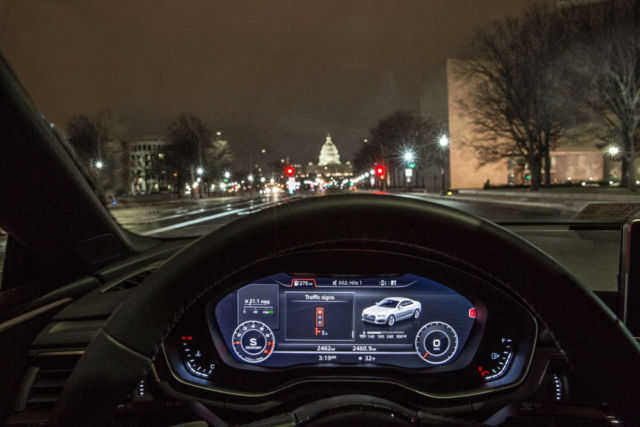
(290, 171)
(380, 171)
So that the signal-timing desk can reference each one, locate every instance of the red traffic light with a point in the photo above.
(380, 171)
(290, 171)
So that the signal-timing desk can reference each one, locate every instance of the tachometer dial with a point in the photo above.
(436, 343)
(253, 341)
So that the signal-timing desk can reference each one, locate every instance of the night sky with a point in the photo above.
(273, 74)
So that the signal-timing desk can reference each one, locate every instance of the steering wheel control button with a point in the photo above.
(436, 343)
(253, 341)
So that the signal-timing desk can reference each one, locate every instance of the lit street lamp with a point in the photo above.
(250, 178)
(614, 153)
(408, 156)
(613, 150)
(227, 174)
(443, 141)
(99, 164)
(199, 171)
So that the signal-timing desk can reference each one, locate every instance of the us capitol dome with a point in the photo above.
(329, 154)
(329, 164)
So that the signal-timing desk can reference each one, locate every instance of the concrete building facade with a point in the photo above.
(148, 170)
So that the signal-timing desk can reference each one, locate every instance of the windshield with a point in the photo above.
(187, 116)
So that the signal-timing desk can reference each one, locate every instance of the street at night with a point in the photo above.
(193, 217)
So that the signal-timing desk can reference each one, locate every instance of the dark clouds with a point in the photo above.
(278, 74)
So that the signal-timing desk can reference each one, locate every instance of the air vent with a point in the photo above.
(45, 379)
(130, 282)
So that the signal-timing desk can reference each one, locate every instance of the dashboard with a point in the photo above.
(435, 333)
(406, 321)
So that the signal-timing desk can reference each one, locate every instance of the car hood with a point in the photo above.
(377, 310)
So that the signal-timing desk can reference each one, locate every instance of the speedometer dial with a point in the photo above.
(436, 343)
(253, 341)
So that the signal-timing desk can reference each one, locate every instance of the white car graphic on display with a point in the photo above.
(391, 310)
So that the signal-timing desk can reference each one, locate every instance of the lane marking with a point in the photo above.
(211, 217)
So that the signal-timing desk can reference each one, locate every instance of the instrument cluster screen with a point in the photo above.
(407, 321)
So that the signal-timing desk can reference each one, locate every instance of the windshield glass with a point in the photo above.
(185, 116)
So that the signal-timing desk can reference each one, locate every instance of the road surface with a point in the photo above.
(193, 217)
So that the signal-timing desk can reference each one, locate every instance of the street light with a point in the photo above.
(408, 156)
(227, 174)
(250, 178)
(199, 171)
(99, 164)
(613, 150)
(443, 141)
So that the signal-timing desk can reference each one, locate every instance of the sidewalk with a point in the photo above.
(588, 194)
(573, 199)
(569, 208)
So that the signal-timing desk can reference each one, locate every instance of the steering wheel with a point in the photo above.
(599, 348)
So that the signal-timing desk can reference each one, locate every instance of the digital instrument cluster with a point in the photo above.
(406, 321)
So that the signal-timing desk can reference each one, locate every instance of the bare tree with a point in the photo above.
(218, 158)
(98, 142)
(188, 138)
(83, 134)
(511, 102)
(401, 131)
(603, 74)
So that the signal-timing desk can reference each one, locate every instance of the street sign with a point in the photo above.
(408, 172)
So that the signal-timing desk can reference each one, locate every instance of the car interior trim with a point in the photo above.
(33, 313)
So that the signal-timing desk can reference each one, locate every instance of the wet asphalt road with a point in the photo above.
(191, 217)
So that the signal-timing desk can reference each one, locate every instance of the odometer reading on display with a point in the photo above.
(408, 321)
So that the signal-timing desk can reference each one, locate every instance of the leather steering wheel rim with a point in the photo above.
(592, 337)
